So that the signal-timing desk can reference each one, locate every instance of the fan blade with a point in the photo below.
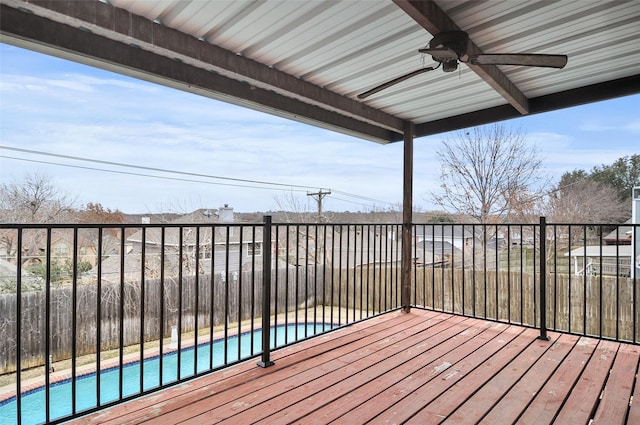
(393, 82)
(523, 59)
(439, 52)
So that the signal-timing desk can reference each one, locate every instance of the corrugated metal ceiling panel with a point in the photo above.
(582, 29)
(351, 46)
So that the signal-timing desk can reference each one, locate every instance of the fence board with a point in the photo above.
(574, 304)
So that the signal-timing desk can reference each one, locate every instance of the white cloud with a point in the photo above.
(55, 106)
(613, 125)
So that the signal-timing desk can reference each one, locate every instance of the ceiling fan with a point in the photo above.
(448, 48)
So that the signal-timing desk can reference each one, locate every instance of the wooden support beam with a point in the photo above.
(111, 23)
(598, 92)
(35, 32)
(407, 217)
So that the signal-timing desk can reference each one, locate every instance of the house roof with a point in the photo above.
(456, 231)
(620, 233)
(308, 60)
(10, 270)
(208, 222)
(36, 239)
(153, 235)
(433, 251)
(601, 251)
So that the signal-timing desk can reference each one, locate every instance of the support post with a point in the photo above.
(407, 217)
(543, 279)
(266, 293)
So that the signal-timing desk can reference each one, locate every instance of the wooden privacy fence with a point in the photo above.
(599, 306)
(502, 296)
(157, 307)
(154, 306)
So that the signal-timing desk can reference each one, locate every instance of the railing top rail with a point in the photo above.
(280, 223)
(121, 225)
(185, 224)
(549, 223)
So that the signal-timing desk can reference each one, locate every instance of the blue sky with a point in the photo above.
(55, 106)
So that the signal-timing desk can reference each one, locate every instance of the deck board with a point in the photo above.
(199, 389)
(616, 395)
(423, 367)
(539, 356)
(244, 407)
(509, 408)
(584, 396)
(472, 379)
(374, 369)
(417, 378)
(634, 409)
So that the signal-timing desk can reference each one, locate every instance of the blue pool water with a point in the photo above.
(33, 402)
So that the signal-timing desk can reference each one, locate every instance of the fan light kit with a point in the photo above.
(448, 48)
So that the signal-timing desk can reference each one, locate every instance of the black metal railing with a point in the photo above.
(96, 314)
(592, 280)
(580, 275)
(93, 315)
(485, 271)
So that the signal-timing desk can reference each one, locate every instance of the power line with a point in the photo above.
(291, 187)
(362, 197)
(141, 167)
(352, 202)
(129, 173)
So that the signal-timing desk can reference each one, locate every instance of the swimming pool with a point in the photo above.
(33, 402)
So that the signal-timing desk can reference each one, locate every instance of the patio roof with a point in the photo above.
(308, 61)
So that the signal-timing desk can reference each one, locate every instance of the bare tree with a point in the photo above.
(376, 214)
(483, 170)
(295, 208)
(34, 199)
(586, 201)
(579, 199)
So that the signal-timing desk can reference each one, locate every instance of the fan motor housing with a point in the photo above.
(453, 40)
(449, 65)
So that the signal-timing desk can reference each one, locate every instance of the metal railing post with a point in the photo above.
(266, 294)
(543, 279)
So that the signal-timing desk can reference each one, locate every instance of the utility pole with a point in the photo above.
(318, 196)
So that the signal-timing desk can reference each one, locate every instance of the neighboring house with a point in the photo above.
(457, 235)
(34, 246)
(609, 260)
(515, 235)
(219, 243)
(620, 236)
(613, 258)
(436, 254)
(340, 246)
(62, 247)
(366, 246)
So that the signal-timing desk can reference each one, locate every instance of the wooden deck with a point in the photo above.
(419, 368)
